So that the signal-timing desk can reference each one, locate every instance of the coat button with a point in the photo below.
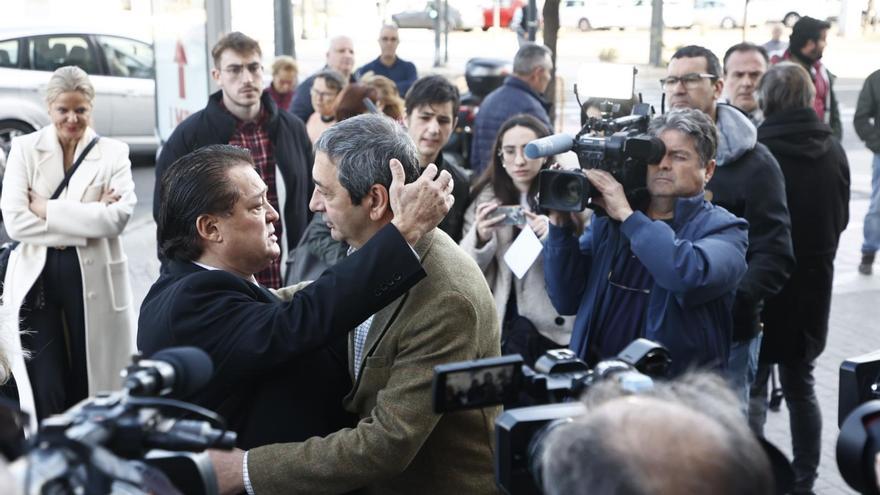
(559, 320)
(91, 295)
(88, 261)
(397, 278)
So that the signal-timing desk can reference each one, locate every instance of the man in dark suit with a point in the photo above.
(277, 375)
(400, 445)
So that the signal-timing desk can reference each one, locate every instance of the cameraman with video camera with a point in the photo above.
(666, 269)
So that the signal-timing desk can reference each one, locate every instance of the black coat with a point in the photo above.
(291, 147)
(280, 369)
(752, 187)
(817, 187)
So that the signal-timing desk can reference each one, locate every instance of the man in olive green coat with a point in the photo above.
(399, 444)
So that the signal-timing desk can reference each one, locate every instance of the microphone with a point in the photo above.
(549, 146)
(176, 371)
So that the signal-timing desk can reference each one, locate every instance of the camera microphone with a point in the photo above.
(549, 146)
(176, 371)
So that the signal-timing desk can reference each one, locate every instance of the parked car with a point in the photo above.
(506, 10)
(119, 65)
(789, 11)
(462, 17)
(606, 14)
(726, 14)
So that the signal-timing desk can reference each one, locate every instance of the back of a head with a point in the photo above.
(362, 147)
(713, 66)
(785, 86)
(350, 101)
(531, 56)
(680, 438)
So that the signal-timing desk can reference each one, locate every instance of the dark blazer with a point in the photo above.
(817, 185)
(291, 147)
(400, 445)
(261, 346)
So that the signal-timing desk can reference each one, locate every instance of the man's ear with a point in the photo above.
(719, 87)
(215, 74)
(379, 202)
(710, 171)
(208, 228)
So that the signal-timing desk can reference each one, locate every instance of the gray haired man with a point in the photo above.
(520, 93)
(399, 444)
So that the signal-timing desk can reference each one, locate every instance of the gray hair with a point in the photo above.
(361, 148)
(530, 56)
(67, 79)
(695, 124)
(690, 432)
(785, 86)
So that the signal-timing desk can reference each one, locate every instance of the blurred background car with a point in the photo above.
(119, 65)
(462, 16)
(506, 10)
(606, 14)
(726, 14)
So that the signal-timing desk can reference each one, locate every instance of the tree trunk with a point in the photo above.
(551, 32)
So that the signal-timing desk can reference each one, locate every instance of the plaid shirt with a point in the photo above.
(255, 137)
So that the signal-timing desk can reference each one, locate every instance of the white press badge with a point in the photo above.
(523, 252)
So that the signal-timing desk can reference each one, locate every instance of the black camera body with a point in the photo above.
(538, 399)
(619, 146)
(859, 421)
(131, 441)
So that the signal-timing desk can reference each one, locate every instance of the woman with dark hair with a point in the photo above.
(352, 101)
(530, 325)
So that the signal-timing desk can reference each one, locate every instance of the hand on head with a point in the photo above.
(419, 206)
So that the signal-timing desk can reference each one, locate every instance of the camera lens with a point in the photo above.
(567, 190)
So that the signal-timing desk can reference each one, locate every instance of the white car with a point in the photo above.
(119, 65)
(605, 14)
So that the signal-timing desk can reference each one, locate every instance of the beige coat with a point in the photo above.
(77, 218)
(400, 446)
(532, 300)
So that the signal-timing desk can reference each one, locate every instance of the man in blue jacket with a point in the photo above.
(667, 270)
(520, 93)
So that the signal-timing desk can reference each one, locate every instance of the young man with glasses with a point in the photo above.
(665, 268)
(748, 183)
(388, 64)
(242, 114)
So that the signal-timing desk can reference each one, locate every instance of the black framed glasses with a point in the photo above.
(690, 81)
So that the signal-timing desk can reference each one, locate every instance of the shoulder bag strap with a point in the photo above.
(74, 167)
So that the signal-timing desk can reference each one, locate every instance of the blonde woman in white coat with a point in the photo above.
(530, 324)
(67, 282)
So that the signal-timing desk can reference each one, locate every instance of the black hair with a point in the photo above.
(804, 30)
(196, 184)
(692, 51)
(430, 90)
(745, 46)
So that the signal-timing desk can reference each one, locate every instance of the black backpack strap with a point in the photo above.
(74, 167)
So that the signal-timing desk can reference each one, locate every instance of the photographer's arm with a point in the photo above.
(567, 262)
(696, 271)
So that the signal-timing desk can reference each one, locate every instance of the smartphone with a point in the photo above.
(513, 215)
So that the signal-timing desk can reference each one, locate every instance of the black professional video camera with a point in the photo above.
(619, 146)
(536, 399)
(131, 441)
(859, 421)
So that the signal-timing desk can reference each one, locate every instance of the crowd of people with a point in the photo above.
(316, 243)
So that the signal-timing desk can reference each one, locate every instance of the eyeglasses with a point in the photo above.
(237, 70)
(690, 81)
(321, 95)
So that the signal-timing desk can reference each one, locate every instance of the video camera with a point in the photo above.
(620, 146)
(124, 442)
(859, 421)
(536, 399)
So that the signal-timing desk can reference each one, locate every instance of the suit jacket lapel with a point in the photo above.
(383, 320)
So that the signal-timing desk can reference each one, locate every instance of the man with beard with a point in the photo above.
(806, 46)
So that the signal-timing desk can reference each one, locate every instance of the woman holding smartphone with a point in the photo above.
(505, 203)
